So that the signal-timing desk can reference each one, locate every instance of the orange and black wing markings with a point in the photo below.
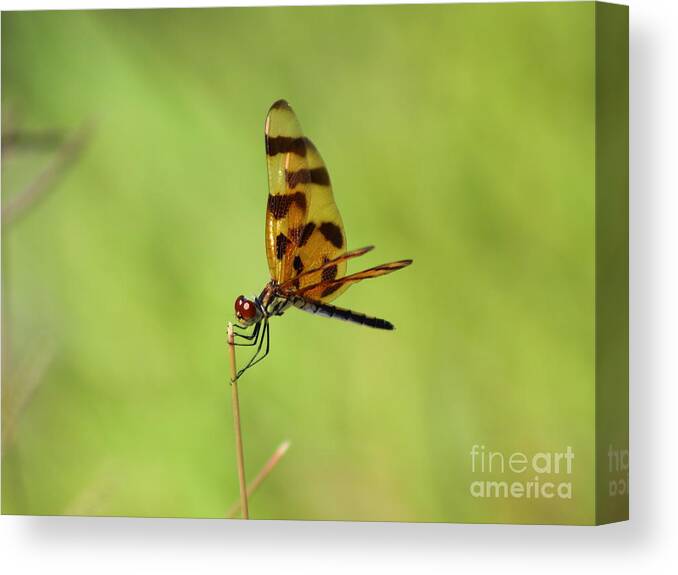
(328, 270)
(304, 229)
(324, 290)
(287, 205)
(314, 298)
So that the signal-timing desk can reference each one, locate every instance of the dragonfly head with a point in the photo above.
(246, 310)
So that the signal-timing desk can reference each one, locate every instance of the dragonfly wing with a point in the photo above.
(304, 229)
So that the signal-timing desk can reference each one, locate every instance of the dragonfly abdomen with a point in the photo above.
(327, 310)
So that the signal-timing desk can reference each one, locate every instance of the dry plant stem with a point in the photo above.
(236, 425)
(263, 474)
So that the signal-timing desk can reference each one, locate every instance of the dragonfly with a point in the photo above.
(305, 240)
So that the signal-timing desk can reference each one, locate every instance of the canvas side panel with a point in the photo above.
(612, 263)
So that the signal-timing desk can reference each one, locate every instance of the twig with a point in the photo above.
(236, 425)
(65, 155)
(12, 139)
(21, 384)
(263, 474)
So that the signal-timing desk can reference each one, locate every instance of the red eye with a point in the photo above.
(245, 308)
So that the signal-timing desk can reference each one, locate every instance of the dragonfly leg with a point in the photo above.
(265, 334)
(252, 337)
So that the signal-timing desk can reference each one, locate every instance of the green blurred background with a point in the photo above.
(460, 136)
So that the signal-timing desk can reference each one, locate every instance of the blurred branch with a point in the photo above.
(263, 474)
(236, 425)
(36, 190)
(96, 494)
(12, 139)
(22, 385)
